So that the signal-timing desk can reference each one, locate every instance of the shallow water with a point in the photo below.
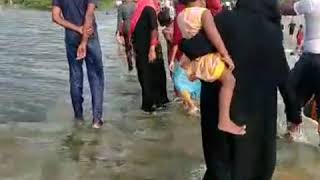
(38, 142)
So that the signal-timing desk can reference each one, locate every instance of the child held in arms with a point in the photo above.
(210, 66)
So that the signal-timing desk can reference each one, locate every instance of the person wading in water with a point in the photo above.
(303, 77)
(82, 45)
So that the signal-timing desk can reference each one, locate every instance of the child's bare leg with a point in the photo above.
(225, 96)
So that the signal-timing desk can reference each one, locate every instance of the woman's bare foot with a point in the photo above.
(228, 126)
(293, 128)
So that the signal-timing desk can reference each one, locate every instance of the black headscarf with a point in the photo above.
(267, 8)
(254, 25)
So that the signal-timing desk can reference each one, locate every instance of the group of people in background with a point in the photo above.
(233, 60)
(298, 37)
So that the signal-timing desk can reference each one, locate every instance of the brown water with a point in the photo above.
(38, 142)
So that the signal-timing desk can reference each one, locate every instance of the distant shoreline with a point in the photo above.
(45, 5)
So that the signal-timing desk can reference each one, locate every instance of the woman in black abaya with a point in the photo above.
(149, 58)
(253, 36)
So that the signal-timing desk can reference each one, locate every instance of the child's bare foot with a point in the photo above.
(194, 111)
(230, 127)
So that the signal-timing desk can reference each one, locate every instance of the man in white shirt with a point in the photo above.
(304, 76)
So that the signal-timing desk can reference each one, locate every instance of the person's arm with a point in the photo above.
(119, 18)
(119, 24)
(212, 33)
(88, 22)
(215, 38)
(174, 51)
(177, 37)
(58, 19)
(167, 34)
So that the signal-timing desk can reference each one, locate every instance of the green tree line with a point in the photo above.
(46, 4)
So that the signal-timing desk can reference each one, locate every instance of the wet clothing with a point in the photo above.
(260, 69)
(74, 11)
(152, 76)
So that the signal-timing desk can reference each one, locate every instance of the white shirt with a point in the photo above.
(311, 11)
(169, 5)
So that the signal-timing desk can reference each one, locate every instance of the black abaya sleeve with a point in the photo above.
(152, 18)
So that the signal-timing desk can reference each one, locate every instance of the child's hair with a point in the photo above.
(164, 17)
(186, 2)
(301, 26)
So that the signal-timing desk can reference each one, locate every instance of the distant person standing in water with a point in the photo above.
(82, 45)
(300, 38)
(125, 12)
(292, 27)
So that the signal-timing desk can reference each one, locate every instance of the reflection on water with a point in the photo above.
(38, 141)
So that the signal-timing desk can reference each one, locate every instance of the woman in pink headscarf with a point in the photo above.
(149, 59)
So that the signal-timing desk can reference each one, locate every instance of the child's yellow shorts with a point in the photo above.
(207, 68)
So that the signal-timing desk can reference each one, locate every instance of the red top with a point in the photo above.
(300, 37)
(177, 36)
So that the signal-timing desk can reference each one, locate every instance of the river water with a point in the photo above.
(38, 142)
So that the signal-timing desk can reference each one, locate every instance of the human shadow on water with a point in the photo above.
(81, 144)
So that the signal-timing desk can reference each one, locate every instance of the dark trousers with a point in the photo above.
(303, 79)
(95, 73)
(128, 49)
(288, 96)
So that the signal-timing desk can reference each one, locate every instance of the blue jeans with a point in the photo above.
(95, 73)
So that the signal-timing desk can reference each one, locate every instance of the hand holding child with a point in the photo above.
(229, 62)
